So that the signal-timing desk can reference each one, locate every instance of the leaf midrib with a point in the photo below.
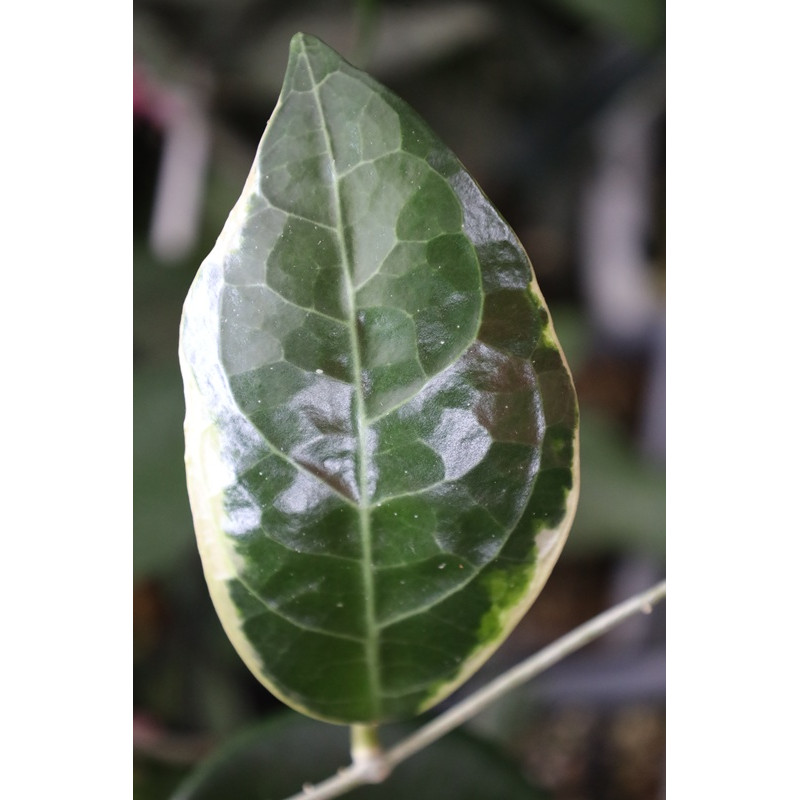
(362, 476)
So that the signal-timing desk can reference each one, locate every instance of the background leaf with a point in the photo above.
(380, 427)
(274, 760)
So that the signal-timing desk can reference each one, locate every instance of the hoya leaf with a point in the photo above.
(381, 430)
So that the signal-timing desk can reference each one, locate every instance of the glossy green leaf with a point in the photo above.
(381, 430)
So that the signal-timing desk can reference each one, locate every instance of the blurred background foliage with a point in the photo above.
(557, 108)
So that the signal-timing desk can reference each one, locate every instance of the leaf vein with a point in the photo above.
(268, 609)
